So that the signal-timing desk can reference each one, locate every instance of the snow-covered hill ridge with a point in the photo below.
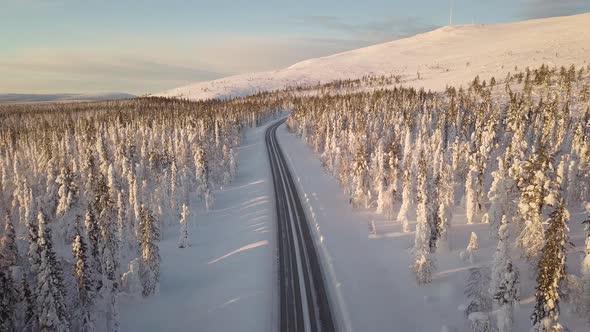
(451, 55)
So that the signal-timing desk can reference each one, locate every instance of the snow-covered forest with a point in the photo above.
(512, 153)
(87, 188)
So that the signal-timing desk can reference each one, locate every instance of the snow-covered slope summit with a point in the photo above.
(452, 55)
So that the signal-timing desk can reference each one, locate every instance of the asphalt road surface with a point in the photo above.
(304, 301)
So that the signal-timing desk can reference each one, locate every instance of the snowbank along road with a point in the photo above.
(304, 302)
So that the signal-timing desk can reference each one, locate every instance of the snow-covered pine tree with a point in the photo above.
(8, 248)
(51, 301)
(82, 274)
(504, 281)
(150, 253)
(550, 272)
(183, 241)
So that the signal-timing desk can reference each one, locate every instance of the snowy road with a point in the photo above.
(304, 302)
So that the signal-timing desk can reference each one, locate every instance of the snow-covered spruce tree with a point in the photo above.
(585, 268)
(423, 265)
(53, 314)
(472, 204)
(504, 281)
(150, 253)
(209, 199)
(432, 206)
(378, 175)
(29, 308)
(402, 216)
(183, 241)
(106, 216)
(94, 261)
(479, 322)
(470, 252)
(124, 231)
(67, 198)
(34, 252)
(477, 291)
(224, 168)
(538, 188)
(444, 188)
(109, 294)
(503, 196)
(83, 318)
(359, 179)
(134, 200)
(173, 183)
(551, 272)
(201, 173)
(8, 248)
(393, 179)
(233, 163)
(8, 300)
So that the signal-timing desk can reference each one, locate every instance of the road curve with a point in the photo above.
(303, 297)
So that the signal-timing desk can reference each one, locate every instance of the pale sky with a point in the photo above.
(82, 46)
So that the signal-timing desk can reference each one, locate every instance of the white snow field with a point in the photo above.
(367, 260)
(451, 55)
(226, 281)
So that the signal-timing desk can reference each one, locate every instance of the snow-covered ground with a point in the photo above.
(452, 55)
(367, 260)
(226, 281)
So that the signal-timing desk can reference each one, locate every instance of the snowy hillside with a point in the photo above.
(451, 55)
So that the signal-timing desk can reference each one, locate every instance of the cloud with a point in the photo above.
(139, 67)
(70, 70)
(549, 8)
